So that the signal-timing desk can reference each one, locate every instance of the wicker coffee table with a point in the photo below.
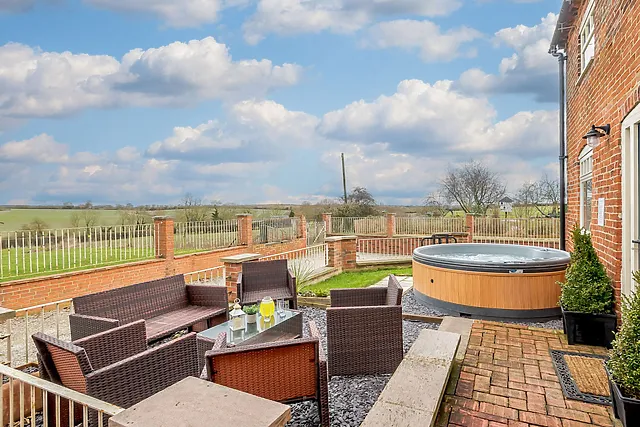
(281, 327)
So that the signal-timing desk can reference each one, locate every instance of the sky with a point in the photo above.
(252, 101)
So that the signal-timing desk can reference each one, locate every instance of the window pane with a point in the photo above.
(586, 196)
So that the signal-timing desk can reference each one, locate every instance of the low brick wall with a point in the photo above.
(29, 292)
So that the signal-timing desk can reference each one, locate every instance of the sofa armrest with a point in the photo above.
(83, 325)
(208, 295)
(121, 342)
(239, 288)
(131, 380)
(323, 377)
(357, 297)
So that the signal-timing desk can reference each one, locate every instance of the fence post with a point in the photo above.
(326, 218)
(341, 252)
(165, 242)
(232, 267)
(245, 229)
(470, 223)
(391, 224)
(302, 228)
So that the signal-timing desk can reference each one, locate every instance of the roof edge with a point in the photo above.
(566, 18)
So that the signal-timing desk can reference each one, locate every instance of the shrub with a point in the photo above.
(317, 293)
(250, 309)
(587, 288)
(624, 361)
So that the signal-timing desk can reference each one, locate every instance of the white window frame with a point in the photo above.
(586, 174)
(587, 37)
(630, 199)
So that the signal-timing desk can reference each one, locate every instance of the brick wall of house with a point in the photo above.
(41, 290)
(605, 93)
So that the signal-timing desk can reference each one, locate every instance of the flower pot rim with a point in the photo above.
(618, 389)
(611, 315)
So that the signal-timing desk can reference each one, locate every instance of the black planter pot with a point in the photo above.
(626, 409)
(589, 329)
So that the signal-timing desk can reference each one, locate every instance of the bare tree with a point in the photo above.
(473, 186)
(193, 210)
(528, 199)
(550, 192)
(437, 205)
(533, 196)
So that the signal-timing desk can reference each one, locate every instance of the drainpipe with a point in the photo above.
(561, 61)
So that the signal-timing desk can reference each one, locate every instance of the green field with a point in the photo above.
(353, 279)
(14, 219)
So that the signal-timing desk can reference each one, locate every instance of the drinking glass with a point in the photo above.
(267, 308)
(280, 305)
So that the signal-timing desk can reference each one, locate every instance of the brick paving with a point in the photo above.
(507, 379)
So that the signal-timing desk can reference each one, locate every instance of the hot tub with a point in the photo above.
(490, 281)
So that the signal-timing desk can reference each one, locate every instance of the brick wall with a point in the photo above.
(30, 292)
(606, 92)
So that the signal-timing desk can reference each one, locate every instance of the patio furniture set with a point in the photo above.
(114, 355)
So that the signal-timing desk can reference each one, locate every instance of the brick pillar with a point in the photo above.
(391, 224)
(232, 267)
(245, 234)
(326, 218)
(469, 222)
(342, 252)
(302, 227)
(164, 243)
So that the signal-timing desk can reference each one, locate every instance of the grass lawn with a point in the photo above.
(353, 279)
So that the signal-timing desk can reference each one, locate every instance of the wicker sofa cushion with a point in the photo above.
(176, 320)
(394, 291)
(140, 301)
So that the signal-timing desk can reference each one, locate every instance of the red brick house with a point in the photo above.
(601, 42)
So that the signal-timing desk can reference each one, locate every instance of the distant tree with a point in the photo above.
(360, 203)
(192, 209)
(36, 225)
(533, 196)
(87, 205)
(84, 218)
(472, 186)
(67, 205)
(436, 205)
(291, 214)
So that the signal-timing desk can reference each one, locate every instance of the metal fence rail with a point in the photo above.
(205, 235)
(517, 228)
(25, 253)
(29, 395)
(274, 230)
(213, 275)
(387, 248)
(362, 226)
(425, 226)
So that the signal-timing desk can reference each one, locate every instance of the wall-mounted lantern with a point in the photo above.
(594, 134)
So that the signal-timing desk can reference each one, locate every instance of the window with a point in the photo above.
(587, 38)
(586, 168)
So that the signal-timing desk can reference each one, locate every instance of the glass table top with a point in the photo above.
(250, 330)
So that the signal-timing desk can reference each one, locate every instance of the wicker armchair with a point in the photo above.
(259, 279)
(285, 371)
(364, 330)
(115, 366)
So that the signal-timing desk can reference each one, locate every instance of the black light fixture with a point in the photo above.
(593, 136)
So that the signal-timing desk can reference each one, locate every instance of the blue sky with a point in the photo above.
(141, 101)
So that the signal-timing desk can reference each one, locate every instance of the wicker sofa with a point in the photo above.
(286, 371)
(114, 366)
(364, 330)
(259, 279)
(166, 305)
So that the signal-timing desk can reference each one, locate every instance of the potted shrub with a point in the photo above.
(623, 365)
(251, 311)
(587, 296)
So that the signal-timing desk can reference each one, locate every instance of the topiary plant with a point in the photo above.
(624, 357)
(587, 288)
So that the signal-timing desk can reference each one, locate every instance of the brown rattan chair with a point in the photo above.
(115, 366)
(285, 371)
(259, 279)
(364, 330)
(167, 305)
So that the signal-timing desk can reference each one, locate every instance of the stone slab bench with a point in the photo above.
(413, 394)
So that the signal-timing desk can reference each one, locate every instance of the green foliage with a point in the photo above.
(250, 309)
(624, 361)
(302, 269)
(291, 214)
(587, 288)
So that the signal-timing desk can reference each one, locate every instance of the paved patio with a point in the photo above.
(507, 379)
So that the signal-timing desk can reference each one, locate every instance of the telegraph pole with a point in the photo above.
(344, 179)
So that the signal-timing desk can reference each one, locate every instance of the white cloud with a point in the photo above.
(288, 17)
(45, 84)
(39, 149)
(18, 6)
(424, 36)
(176, 13)
(529, 70)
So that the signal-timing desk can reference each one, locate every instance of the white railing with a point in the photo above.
(362, 226)
(525, 241)
(205, 235)
(311, 257)
(274, 230)
(387, 248)
(425, 226)
(50, 318)
(27, 253)
(30, 395)
(316, 232)
(517, 228)
(213, 275)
